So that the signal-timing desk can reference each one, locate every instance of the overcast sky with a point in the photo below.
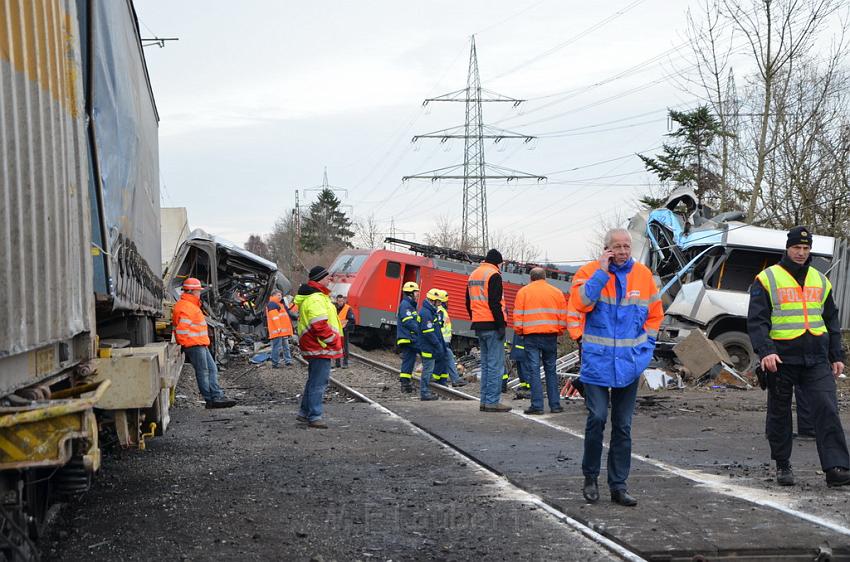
(257, 97)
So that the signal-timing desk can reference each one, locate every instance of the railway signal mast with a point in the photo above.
(476, 171)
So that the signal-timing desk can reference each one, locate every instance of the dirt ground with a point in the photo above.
(249, 483)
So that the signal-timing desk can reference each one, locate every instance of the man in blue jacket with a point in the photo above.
(431, 344)
(621, 310)
(407, 333)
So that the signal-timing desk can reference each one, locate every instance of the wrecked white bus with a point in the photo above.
(706, 264)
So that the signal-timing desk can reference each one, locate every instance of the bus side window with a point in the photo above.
(393, 270)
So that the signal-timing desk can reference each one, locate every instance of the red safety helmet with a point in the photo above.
(192, 284)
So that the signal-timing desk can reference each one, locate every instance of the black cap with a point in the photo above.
(799, 235)
(494, 257)
(318, 273)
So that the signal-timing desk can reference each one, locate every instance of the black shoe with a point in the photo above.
(622, 497)
(406, 386)
(557, 409)
(460, 383)
(837, 476)
(533, 412)
(590, 490)
(522, 395)
(222, 402)
(301, 419)
(785, 476)
(804, 436)
(429, 397)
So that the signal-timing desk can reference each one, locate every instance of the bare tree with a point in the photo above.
(777, 33)
(809, 161)
(256, 245)
(712, 48)
(514, 246)
(283, 246)
(596, 245)
(367, 233)
(446, 234)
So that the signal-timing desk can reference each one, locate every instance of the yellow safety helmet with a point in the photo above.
(433, 294)
(410, 286)
(443, 295)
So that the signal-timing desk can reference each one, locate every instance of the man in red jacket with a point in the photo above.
(190, 331)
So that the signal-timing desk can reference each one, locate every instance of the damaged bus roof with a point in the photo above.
(723, 229)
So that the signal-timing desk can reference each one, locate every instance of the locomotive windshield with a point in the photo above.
(348, 263)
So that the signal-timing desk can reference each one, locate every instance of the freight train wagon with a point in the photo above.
(80, 266)
(372, 281)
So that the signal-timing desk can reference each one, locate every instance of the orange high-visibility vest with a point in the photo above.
(278, 321)
(477, 286)
(190, 326)
(343, 315)
(540, 308)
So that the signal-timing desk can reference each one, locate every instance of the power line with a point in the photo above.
(571, 40)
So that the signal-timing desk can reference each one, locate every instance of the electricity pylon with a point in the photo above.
(476, 171)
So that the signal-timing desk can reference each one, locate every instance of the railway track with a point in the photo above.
(381, 390)
(386, 404)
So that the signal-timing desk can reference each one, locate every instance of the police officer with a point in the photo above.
(407, 333)
(794, 327)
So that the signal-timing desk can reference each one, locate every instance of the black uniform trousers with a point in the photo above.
(816, 382)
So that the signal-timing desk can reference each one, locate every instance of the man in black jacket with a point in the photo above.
(794, 328)
(485, 303)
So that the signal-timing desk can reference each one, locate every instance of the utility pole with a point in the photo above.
(476, 171)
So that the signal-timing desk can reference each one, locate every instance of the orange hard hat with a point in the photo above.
(192, 284)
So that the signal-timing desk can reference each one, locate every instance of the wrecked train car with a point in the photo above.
(237, 284)
(706, 263)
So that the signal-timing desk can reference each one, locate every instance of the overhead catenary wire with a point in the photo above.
(569, 41)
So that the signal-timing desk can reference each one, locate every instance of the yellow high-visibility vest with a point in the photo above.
(795, 309)
(447, 323)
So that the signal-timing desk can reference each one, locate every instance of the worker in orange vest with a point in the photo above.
(540, 316)
(485, 303)
(190, 331)
(280, 329)
(346, 320)
(621, 309)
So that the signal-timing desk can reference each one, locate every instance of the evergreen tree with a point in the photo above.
(325, 224)
(689, 161)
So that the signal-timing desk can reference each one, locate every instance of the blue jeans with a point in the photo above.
(428, 364)
(620, 451)
(492, 365)
(277, 344)
(318, 374)
(545, 345)
(451, 365)
(206, 372)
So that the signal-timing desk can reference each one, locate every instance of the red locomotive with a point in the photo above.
(372, 281)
